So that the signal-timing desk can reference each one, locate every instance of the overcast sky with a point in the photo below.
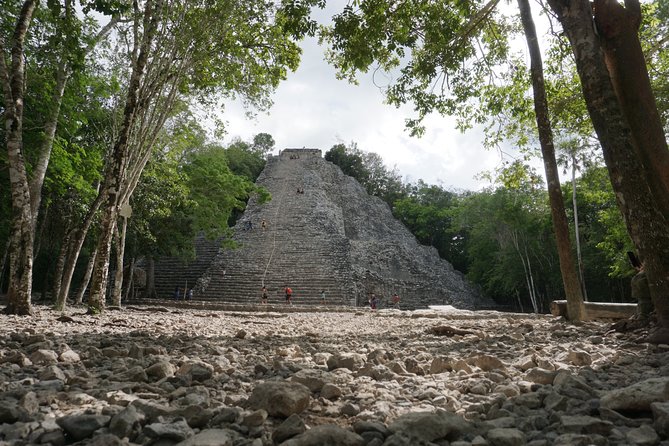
(313, 109)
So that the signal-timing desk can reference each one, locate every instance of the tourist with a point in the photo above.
(189, 295)
(396, 301)
(323, 297)
(177, 292)
(264, 295)
(263, 224)
(289, 294)
(374, 303)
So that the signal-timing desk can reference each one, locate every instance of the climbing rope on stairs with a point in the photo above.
(274, 225)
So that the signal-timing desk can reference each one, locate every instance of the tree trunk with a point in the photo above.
(100, 276)
(525, 261)
(60, 301)
(533, 288)
(75, 249)
(520, 302)
(129, 290)
(3, 265)
(618, 28)
(22, 232)
(150, 290)
(645, 223)
(50, 126)
(577, 235)
(572, 286)
(87, 278)
(120, 252)
(39, 235)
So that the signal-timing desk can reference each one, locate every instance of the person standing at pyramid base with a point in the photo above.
(396, 301)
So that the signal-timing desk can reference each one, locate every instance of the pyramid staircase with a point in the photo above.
(294, 248)
(171, 272)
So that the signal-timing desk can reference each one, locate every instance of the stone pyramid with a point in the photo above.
(323, 232)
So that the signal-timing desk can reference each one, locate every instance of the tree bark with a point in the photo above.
(570, 282)
(120, 252)
(50, 126)
(87, 278)
(577, 235)
(645, 223)
(74, 249)
(100, 274)
(22, 232)
(129, 289)
(618, 28)
(59, 300)
(150, 290)
(3, 265)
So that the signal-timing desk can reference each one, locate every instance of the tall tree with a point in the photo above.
(60, 45)
(646, 224)
(13, 79)
(576, 156)
(570, 279)
(117, 169)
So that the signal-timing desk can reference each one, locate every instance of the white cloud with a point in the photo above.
(314, 109)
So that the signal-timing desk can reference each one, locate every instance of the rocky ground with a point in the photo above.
(164, 376)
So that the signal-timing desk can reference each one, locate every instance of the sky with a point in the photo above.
(315, 110)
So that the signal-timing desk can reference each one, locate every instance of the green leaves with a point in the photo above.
(440, 53)
(237, 48)
(190, 187)
(247, 160)
(106, 7)
(369, 170)
(429, 211)
(294, 17)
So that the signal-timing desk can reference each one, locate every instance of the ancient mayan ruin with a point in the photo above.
(323, 232)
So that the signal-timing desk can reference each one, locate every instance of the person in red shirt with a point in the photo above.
(396, 300)
(289, 294)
